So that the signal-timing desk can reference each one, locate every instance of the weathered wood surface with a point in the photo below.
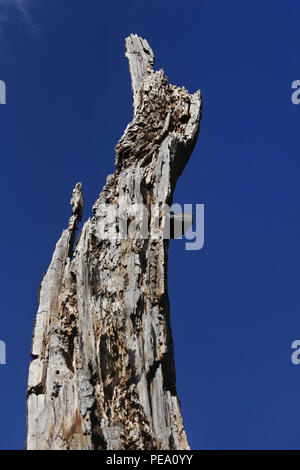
(103, 375)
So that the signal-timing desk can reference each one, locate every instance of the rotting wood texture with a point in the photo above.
(103, 374)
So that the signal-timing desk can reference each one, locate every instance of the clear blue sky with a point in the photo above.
(235, 305)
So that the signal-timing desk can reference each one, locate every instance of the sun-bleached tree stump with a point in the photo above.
(102, 374)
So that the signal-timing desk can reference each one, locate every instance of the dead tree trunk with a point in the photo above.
(103, 375)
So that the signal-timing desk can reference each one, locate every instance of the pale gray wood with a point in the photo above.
(103, 374)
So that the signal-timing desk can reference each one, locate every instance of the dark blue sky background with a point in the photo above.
(235, 305)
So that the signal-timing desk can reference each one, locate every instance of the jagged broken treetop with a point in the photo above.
(103, 373)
